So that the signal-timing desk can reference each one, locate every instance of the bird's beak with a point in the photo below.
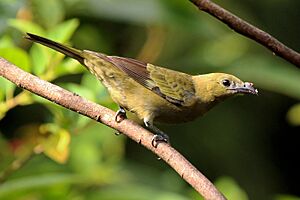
(246, 88)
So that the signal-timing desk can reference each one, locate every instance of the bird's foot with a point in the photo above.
(157, 138)
(120, 115)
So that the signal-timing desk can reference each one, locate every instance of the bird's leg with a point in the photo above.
(159, 135)
(120, 115)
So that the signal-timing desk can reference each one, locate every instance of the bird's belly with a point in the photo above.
(166, 112)
(179, 115)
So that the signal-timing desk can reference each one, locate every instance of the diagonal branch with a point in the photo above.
(249, 31)
(101, 114)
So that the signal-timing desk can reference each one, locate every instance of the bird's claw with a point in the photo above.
(118, 133)
(120, 115)
(159, 138)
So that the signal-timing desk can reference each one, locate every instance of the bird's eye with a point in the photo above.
(226, 82)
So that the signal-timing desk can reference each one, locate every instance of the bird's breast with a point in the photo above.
(180, 114)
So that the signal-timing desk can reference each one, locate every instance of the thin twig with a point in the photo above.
(94, 111)
(248, 30)
(14, 166)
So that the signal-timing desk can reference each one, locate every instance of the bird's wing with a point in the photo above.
(175, 87)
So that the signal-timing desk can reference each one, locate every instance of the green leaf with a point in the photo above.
(17, 56)
(286, 197)
(56, 143)
(26, 26)
(39, 181)
(78, 89)
(293, 115)
(90, 82)
(48, 13)
(42, 56)
(6, 90)
(231, 189)
(135, 191)
(100, 147)
(64, 31)
(6, 42)
(230, 46)
(68, 66)
(40, 59)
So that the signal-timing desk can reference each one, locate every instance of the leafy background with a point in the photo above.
(248, 146)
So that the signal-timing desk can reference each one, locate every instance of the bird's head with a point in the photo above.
(219, 86)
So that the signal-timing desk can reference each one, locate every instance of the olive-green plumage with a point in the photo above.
(152, 92)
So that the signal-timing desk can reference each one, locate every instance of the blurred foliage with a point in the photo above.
(248, 145)
(293, 115)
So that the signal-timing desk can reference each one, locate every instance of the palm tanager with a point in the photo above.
(152, 92)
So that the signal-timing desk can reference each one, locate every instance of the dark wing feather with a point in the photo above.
(175, 87)
(134, 68)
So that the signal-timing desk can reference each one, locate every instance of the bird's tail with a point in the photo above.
(69, 51)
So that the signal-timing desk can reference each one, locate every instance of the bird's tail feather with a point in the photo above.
(69, 51)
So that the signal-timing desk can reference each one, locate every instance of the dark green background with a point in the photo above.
(249, 139)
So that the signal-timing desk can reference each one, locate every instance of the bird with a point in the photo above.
(153, 93)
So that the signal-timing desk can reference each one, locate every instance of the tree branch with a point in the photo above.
(101, 114)
(249, 31)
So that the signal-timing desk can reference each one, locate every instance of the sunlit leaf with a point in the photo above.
(68, 66)
(7, 87)
(78, 89)
(3, 107)
(17, 56)
(293, 115)
(64, 31)
(6, 42)
(90, 82)
(56, 144)
(26, 26)
(7, 98)
(40, 59)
